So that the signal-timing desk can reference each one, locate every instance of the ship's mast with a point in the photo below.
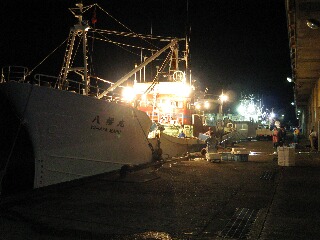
(137, 68)
(78, 31)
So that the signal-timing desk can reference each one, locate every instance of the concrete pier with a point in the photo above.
(177, 199)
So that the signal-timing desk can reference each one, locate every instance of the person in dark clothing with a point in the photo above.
(283, 134)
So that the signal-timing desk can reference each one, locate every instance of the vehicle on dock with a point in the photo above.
(263, 132)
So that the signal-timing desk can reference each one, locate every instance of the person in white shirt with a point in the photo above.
(313, 138)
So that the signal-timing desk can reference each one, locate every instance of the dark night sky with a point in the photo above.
(238, 45)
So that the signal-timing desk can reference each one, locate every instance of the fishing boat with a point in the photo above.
(58, 129)
(168, 99)
(55, 130)
(76, 125)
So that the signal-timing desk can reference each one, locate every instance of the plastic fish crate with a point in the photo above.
(286, 156)
(241, 157)
(213, 156)
(227, 156)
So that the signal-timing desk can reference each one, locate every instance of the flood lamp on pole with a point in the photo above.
(222, 98)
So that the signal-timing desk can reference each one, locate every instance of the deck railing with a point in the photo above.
(13, 73)
(21, 74)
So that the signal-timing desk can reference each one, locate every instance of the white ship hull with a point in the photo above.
(70, 135)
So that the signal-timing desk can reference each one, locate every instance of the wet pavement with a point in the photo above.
(177, 199)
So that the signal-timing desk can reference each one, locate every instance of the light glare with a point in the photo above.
(128, 94)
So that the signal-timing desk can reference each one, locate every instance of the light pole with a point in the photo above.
(222, 98)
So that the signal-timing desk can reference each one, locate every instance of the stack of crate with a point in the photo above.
(286, 156)
(240, 154)
(243, 157)
(227, 156)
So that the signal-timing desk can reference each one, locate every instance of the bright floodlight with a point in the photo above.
(206, 104)
(241, 109)
(289, 79)
(128, 94)
(183, 90)
(313, 24)
(223, 97)
(251, 108)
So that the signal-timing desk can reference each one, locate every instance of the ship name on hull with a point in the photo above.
(108, 124)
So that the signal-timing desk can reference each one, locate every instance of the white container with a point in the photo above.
(213, 157)
(286, 156)
(235, 150)
(239, 151)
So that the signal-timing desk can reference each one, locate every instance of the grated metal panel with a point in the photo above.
(268, 175)
(240, 223)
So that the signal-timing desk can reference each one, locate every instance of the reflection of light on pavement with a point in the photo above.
(256, 153)
(253, 153)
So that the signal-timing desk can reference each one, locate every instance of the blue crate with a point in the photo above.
(227, 156)
(241, 157)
